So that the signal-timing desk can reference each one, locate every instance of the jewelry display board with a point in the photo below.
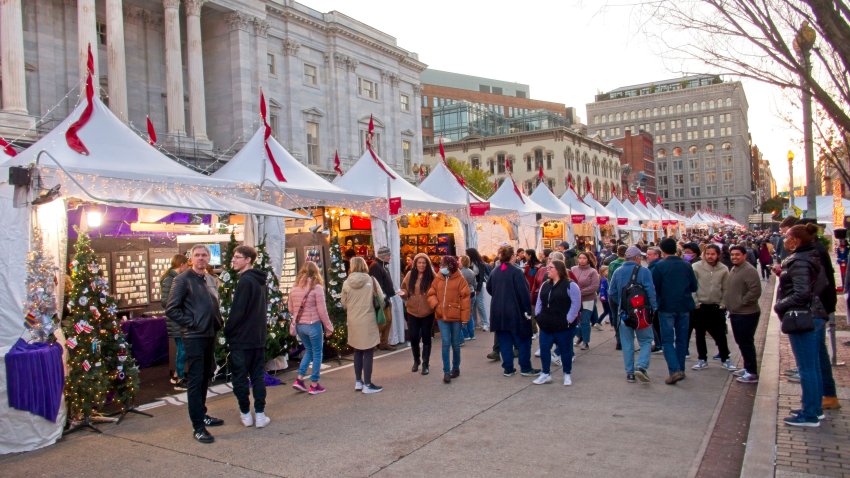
(105, 262)
(131, 279)
(160, 262)
(289, 271)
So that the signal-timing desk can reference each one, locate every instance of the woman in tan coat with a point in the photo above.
(449, 296)
(357, 293)
(418, 312)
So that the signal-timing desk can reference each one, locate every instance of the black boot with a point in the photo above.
(425, 370)
(415, 367)
(447, 378)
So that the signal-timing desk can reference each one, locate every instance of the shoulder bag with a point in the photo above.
(377, 303)
(294, 321)
(798, 321)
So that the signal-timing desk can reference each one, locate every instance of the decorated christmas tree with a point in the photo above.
(333, 295)
(40, 303)
(102, 370)
(229, 278)
(278, 340)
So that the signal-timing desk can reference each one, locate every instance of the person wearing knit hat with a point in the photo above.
(675, 283)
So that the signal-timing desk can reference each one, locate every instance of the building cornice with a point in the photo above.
(517, 139)
(687, 92)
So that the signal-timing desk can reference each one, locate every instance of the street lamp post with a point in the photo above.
(790, 180)
(803, 43)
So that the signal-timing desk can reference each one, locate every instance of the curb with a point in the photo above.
(760, 454)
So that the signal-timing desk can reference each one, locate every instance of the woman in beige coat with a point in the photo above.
(357, 292)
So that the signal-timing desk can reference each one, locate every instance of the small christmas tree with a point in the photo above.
(278, 340)
(229, 278)
(333, 295)
(40, 303)
(101, 366)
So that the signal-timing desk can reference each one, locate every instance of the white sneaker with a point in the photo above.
(534, 337)
(728, 365)
(537, 352)
(700, 365)
(485, 328)
(358, 386)
(262, 420)
(247, 419)
(556, 360)
(567, 380)
(542, 378)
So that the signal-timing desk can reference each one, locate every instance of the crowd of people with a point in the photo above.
(655, 296)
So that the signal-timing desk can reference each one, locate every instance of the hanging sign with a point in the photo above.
(622, 221)
(478, 208)
(395, 206)
(602, 219)
(578, 218)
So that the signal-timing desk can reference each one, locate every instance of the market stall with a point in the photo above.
(606, 221)
(580, 230)
(554, 230)
(525, 231)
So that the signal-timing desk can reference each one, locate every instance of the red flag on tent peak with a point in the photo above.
(336, 163)
(369, 136)
(370, 132)
(509, 167)
(71, 137)
(7, 148)
(517, 191)
(540, 174)
(588, 186)
(640, 196)
(90, 61)
(278, 174)
(442, 150)
(570, 182)
(151, 132)
(658, 199)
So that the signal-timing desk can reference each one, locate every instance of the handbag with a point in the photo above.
(294, 322)
(798, 321)
(380, 318)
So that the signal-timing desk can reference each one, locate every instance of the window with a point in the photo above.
(549, 157)
(695, 178)
(424, 101)
(312, 143)
(426, 121)
(497, 90)
(677, 151)
(376, 141)
(311, 75)
(528, 163)
(405, 103)
(710, 177)
(368, 89)
(695, 191)
(405, 155)
(538, 159)
(692, 149)
(270, 62)
(727, 175)
(475, 162)
(274, 120)
(500, 158)
(662, 180)
(101, 33)
(726, 146)
(678, 179)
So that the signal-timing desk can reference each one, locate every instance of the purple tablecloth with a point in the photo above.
(35, 378)
(148, 340)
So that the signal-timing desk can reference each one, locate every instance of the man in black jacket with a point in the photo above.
(380, 271)
(193, 307)
(245, 332)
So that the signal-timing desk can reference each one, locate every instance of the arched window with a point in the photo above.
(678, 108)
(709, 147)
(632, 114)
(610, 117)
(726, 146)
(654, 112)
(640, 114)
(677, 151)
(728, 102)
(692, 149)
(663, 110)
(711, 104)
(702, 106)
(619, 117)
(661, 154)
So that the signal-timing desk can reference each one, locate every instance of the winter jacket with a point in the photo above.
(246, 326)
(165, 289)
(674, 283)
(482, 272)
(828, 297)
(416, 304)
(192, 306)
(511, 300)
(315, 309)
(588, 281)
(711, 283)
(379, 271)
(470, 279)
(743, 290)
(621, 278)
(764, 256)
(449, 296)
(614, 265)
(558, 306)
(357, 292)
(603, 289)
(800, 282)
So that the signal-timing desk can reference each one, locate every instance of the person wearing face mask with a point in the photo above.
(449, 297)
(690, 252)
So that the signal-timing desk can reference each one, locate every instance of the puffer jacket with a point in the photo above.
(193, 307)
(449, 296)
(416, 303)
(165, 289)
(800, 271)
(357, 291)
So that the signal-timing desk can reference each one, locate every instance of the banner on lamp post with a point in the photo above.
(478, 208)
(395, 206)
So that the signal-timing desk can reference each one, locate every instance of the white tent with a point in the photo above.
(617, 207)
(525, 226)
(647, 210)
(598, 209)
(302, 187)
(122, 169)
(641, 215)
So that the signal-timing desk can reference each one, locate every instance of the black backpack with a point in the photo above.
(634, 303)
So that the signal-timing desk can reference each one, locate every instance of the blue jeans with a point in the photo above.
(180, 358)
(451, 337)
(627, 340)
(674, 337)
(507, 341)
(478, 312)
(805, 348)
(585, 316)
(827, 381)
(468, 331)
(311, 336)
(564, 340)
(606, 311)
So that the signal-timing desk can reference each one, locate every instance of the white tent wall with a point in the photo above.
(19, 431)
(492, 231)
(527, 231)
(274, 231)
(379, 239)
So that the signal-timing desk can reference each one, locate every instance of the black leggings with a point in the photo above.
(420, 328)
(765, 271)
(363, 365)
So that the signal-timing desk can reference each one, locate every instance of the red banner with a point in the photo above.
(578, 218)
(361, 223)
(478, 208)
(621, 221)
(602, 219)
(395, 206)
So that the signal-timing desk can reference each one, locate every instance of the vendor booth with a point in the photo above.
(606, 221)
(89, 168)
(525, 230)
(581, 231)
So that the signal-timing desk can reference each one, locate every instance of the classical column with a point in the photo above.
(195, 53)
(173, 69)
(87, 35)
(12, 57)
(116, 65)
(293, 75)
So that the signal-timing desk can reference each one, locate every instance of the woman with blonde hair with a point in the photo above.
(359, 292)
(310, 316)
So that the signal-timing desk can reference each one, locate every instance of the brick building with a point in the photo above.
(638, 161)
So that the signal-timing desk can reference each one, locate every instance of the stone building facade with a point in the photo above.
(701, 139)
(196, 68)
(562, 152)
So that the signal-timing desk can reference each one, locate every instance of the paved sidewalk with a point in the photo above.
(482, 424)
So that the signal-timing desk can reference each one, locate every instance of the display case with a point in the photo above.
(131, 278)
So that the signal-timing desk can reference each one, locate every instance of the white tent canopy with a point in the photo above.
(617, 207)
(442, 184)
(598, 209)
(546, 198)
(650, 212)
(508, 196)
(641, 215)
(576, 205)
(302, 187)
